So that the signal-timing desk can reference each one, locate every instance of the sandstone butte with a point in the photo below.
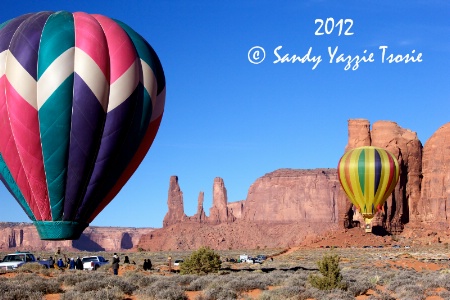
(289, 207)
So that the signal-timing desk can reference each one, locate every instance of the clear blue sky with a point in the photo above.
(226, 117)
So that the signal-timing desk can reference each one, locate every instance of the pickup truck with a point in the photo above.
(93, 262)
(14, 260)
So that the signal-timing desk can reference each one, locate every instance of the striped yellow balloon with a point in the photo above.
(368, 176)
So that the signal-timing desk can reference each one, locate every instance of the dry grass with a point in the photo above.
(372, 273)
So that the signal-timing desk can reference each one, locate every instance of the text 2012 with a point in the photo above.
(327, 26)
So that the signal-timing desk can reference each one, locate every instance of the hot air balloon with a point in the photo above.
(81, 101)
(368, 176)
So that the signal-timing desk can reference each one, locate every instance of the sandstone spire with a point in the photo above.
(175, 213)
(219, 212)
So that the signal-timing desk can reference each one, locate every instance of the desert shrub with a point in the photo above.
(410, 292)
(298, 279)
(360, 287)
(22, 294)
(247, 282)
(202, 261)
(71, 279)
(110, 293)
(219, 293)
(153, 291)
(200, 283)
(141, 280)
(432, 280)
(125, 287)
(91, 285)
(381, 295)
(334, 294)
(163, 289)
(445, 295)
(284, 293)
(404, 277)
(32, 267)
(172, 293)
(45, 286)
(185, 279)
(331, 274)
(359, 281)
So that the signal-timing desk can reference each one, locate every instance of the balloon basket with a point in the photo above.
(368, 221)
(60, 230)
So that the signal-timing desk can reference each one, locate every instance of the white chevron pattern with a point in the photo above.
(21, 80)
(124, 86)
(93, 76)
(54, 76)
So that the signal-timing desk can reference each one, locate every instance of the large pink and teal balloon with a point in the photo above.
(81, 101)
(368, 176)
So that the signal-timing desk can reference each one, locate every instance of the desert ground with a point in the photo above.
(373, 267)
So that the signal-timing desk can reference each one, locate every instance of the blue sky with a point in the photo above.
(227, 117)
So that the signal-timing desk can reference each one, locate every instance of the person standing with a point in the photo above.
(72, 264)
(115, 264)
(79, 264)
(51, 262)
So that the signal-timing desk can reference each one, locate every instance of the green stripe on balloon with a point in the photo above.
(362, 171)
(54, 123)
(57, 37)
(55, 114)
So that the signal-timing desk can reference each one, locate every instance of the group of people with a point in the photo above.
(147, 264)
(69, 263)
(77, 264)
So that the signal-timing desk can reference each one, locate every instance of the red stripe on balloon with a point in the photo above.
(124, 54)
(25, 129)
(8, 150)
(347, 173)
(89, 37)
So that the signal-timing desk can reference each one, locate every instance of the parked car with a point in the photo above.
(261, 257)
(14, 260)
(93, 262)
(177, 262)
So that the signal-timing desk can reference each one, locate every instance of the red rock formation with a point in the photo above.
(237, 208)
(236, 235)
(200, 216)
(358, 133)
(24, 236)
(289, 195)
(434, 207)
(175, 214)
(219, 212)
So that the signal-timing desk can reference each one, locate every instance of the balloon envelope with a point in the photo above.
(81, 100)
(368, 176)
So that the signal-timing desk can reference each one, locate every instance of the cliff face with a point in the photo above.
(434, 207)
(289, 195)
(24, 236)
